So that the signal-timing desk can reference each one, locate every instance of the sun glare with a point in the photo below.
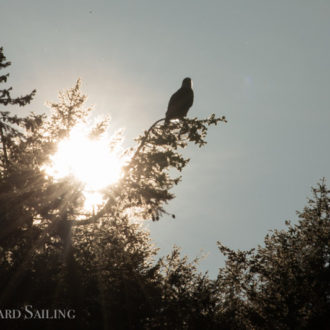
(90, 161)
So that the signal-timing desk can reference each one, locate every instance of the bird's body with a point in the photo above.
(180, 102)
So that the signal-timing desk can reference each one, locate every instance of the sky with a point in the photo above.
(263, 64)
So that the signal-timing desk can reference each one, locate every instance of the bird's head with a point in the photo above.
(187, 83)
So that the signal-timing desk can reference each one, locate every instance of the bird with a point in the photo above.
(180, 102)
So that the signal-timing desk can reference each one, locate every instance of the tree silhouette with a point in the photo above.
(8, 133)
(54, 253)
(285, 284)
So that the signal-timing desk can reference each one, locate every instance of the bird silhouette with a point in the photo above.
(180, 102)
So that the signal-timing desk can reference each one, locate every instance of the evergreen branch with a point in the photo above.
(106, 207)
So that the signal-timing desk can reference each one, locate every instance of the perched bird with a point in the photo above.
(180, 101)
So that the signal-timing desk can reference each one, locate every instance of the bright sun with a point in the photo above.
(91, 161)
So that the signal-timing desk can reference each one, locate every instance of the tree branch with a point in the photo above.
(105, 208)
(4, 147)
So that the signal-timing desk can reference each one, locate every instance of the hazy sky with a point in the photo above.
(265, 65)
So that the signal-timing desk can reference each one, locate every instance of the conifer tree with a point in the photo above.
(9, 123)
(103, 261)
(285, 283)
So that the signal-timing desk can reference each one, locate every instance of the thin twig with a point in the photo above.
(144, 140)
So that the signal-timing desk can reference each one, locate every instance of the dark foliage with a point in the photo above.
(102, 265)
(55, 255)
(284, 284)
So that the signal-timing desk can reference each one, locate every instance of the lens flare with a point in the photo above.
(91, 161)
